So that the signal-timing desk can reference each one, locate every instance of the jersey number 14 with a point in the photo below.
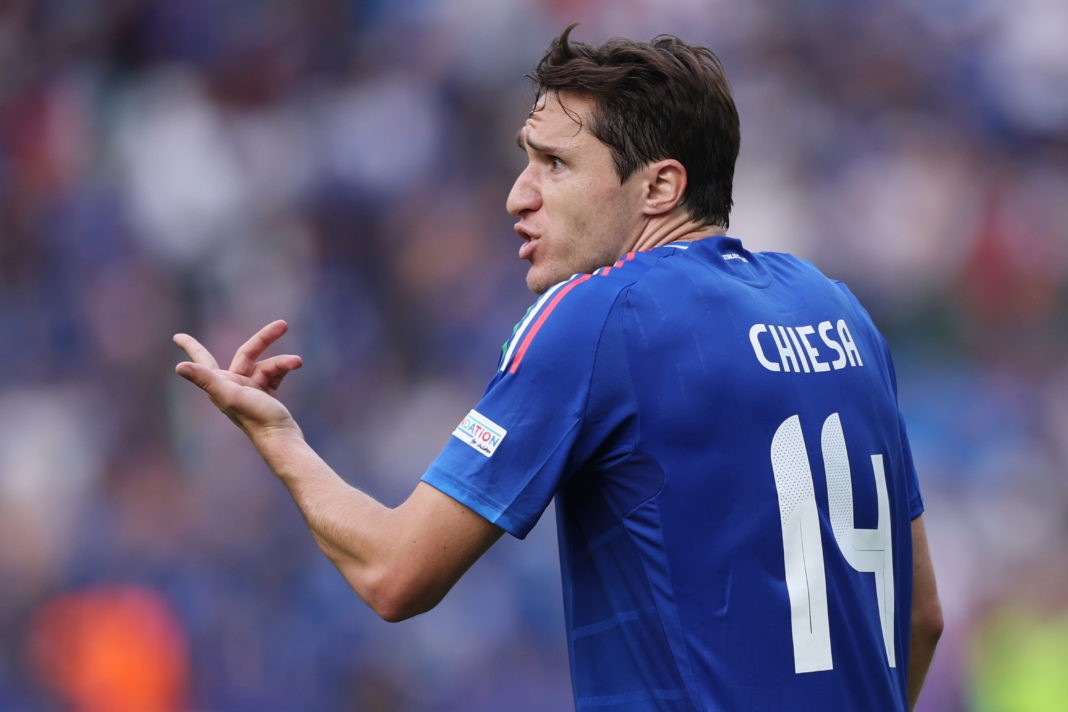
(866, 550)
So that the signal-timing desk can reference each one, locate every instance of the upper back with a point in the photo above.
(746, 455)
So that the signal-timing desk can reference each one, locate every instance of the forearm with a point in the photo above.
(926, 619)
(921, 653)
(350, 526)
(401, 561)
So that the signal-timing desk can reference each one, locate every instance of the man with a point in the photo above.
(739, 519)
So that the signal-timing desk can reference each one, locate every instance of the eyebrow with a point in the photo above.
(539, 148)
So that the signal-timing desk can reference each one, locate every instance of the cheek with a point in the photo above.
(607, 220)
(588, 223)
(591, 209)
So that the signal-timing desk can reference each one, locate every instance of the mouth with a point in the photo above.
(530, 242)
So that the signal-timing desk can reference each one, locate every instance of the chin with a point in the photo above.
(536, 287)
(537, 283)
(540, 281)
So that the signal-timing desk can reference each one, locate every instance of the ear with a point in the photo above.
(665, 184)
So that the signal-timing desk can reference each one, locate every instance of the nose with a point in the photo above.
(524, 196)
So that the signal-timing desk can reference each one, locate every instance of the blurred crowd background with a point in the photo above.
(210, 165)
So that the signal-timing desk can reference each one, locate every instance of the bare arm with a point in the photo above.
(926, 612)
(401, 561)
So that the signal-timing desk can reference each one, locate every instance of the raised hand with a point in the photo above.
(245, 391)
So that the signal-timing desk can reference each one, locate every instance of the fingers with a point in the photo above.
(245, 358)
(265, 375)
(196, 351)
(269, 373)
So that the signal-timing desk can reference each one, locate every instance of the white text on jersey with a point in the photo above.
(793, 348)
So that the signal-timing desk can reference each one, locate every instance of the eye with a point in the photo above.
(555, 162)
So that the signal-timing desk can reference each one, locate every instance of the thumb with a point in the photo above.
(194, 373)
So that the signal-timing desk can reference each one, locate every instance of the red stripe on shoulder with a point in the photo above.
(533, 331)
(619, 263)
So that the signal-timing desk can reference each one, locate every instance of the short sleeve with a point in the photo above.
(516, 448)
(912, 481)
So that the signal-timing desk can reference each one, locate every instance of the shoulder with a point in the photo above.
(808, 273)
(569, 317)
(785, 262)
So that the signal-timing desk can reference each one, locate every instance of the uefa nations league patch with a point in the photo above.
(480, 432)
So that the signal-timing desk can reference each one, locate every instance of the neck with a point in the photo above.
(674, 228)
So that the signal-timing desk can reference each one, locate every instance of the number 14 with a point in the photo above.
(866, 550)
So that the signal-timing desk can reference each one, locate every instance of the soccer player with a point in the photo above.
(739, 516)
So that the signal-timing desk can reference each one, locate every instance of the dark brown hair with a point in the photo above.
(655, 100)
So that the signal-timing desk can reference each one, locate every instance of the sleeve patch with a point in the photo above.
(480, 433)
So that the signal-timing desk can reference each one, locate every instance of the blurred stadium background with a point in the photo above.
(209, 165)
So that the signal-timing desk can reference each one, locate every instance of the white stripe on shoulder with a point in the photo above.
(678, 245)
(524, 325)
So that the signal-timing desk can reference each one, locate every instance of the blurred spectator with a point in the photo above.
(110, 650)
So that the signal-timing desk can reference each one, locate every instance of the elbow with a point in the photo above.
(395, 598)
(395, 610)
(928, 621)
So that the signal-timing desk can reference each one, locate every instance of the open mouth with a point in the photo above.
(530, 241)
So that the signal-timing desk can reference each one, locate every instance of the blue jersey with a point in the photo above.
(733, 481)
